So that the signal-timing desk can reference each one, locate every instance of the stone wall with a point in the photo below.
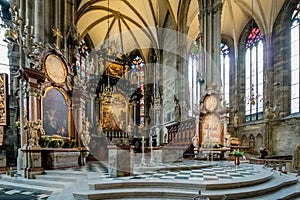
(286, 136)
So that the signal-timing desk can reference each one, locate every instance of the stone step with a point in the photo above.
(35, 182)
(27, 187)
(138, 193)
(66, 172)
(171, 189)
(54, 177)
(285, 193)
(278, 182)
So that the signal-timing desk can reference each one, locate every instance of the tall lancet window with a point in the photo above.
(194, 77)
(295, 59)
(254, 75)
(225, 63)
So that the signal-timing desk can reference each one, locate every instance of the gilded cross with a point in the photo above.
(58, 35)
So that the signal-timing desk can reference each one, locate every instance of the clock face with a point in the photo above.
(55, 69)
(211, 102)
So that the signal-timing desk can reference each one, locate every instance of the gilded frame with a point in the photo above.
(55, 68)
(3, 99)
(50, 109)
(114, 70)
(113, 115)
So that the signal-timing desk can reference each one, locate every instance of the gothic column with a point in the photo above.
(181, 82)
(39, 34)
(210, 23)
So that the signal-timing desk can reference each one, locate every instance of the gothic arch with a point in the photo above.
(244, 141)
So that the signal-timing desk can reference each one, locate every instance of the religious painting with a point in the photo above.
(114, 114)
(114, 70)
(55, 113)
(3, 105)
(211, 130)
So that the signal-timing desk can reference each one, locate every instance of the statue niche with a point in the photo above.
(55, 113)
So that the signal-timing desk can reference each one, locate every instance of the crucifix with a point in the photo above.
(58, 35)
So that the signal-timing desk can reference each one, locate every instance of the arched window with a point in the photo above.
(194, 76)
(225, 65)
(254, 75)
(295, 66)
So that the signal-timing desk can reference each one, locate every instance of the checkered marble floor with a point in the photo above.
(7, 194)
(215, 173)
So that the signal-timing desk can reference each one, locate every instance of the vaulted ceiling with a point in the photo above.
(132, 23)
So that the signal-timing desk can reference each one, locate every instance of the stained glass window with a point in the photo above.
(225, 64)
(254, 75)
(295, 87)
(82, 65)
(137, 77)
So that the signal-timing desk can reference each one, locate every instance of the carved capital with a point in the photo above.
(34, 92)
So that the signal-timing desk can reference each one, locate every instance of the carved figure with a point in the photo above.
(236, 120)
(268, 113)
(85, 135)
(36, 132)
(130, 129)
(276, 110)
(177, 110)
(195, 140)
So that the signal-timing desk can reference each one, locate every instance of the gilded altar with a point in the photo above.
(113, 115)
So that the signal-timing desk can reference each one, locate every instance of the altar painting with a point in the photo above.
(211, 130)
(55, 113)
(114, 114)
(114, 70)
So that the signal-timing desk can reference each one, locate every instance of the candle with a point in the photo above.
(31, 30)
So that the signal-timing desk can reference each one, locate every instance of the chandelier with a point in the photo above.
(107, 93)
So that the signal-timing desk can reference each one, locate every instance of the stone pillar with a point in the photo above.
(210, 23)
(79, 124)
(3, 167)
(39, 21)
(97, 108)
(296, 159)
(33, 104)
(120, 161)
(181, 85)
(131, 113)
